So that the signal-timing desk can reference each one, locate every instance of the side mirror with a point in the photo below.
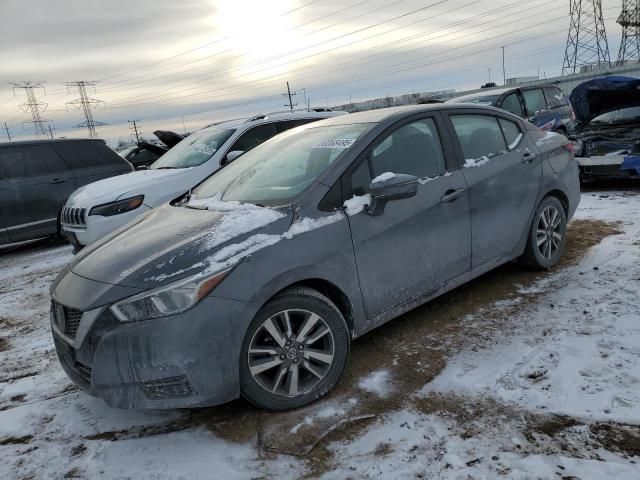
(394, 187)
(231, 156)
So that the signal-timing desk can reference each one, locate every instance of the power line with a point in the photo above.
(33, 106)
(85, 104)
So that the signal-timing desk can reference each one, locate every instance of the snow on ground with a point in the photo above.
(575, 352)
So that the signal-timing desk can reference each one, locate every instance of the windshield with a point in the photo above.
(624, 115)
(480, 100)
(194, 150)
(283, 167)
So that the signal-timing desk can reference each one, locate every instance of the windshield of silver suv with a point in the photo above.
(194, 150)
(281, 168)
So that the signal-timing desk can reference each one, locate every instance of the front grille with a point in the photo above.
(73, 216)
(172, 387)
(66, 319)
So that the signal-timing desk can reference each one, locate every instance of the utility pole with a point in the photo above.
(184, 127)
(85, 103)
(289, 95)
(629, 20)
(587, 39)
(134, 126)
(504, 75)
(33, 106)
(6, 128)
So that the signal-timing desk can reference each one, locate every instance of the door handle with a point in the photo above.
(452, 195)
(528, 157)
(58, 180)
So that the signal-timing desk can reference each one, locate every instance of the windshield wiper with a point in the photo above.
(167, 168)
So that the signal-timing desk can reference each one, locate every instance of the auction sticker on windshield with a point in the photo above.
(336, 143)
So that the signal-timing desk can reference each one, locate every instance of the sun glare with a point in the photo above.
(257, 30)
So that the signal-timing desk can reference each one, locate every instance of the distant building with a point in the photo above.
(518, 80)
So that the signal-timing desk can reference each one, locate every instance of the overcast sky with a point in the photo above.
(203, 60)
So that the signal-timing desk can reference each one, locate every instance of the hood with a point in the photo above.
(603, 95)
(170, 243)
(113, 188)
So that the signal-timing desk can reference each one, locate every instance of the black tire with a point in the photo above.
(533, 256)
(294, 300)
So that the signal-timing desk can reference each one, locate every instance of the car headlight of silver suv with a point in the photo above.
(117, 207)
(168, 300)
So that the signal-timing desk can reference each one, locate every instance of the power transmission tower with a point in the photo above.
(290, 95)
(134, 126)
(33, 106)
(587, 39)
(85, 103)
(6, 128)
(629, 19)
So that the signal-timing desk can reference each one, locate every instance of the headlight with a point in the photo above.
(117, 207)
(168, 300)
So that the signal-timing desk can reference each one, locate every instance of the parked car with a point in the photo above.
(546, 106)
(144, 153)
(112, 203)
(256, 283)
(608, 131)
(36, 177)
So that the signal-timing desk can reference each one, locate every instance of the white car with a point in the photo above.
(98, 208)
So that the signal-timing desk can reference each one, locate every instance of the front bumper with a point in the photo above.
(97, 226)
(186, 360)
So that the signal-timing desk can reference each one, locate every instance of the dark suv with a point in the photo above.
(546, 106)
(36, 177)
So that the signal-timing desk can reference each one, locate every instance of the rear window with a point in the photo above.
(555, 97)
(89, 154)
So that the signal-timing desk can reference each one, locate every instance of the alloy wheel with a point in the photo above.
(291, 352)
(549, 232)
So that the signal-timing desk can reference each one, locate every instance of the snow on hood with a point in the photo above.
(113, 188)
(603, 95)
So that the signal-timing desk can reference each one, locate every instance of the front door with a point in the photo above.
(34, 184)
(504, 175)
(418, 243)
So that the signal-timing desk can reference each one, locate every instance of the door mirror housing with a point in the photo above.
(231, 156)
(394, 187)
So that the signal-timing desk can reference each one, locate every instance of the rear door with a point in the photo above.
(419, 243)
(34, 184)
(504, 176)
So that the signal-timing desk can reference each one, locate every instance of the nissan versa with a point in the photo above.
(256, 282)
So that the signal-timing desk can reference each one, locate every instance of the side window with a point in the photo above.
(289, 124)
(89, 153)
(412, 149)
(512, 133)
(555, 97)
(511, 103)
(29, 161)
(480, 136)
(534, 100)
(254, 137)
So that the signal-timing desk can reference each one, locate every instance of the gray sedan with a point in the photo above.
(255, 283)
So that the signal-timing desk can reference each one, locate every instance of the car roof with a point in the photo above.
(497, 92)
(277, 117)
(47, 141)
(394, 113)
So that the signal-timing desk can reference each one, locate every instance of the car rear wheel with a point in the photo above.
(547, 236)
(294, 351)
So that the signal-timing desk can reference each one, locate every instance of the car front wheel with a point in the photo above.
(294, 351)
(547, 236)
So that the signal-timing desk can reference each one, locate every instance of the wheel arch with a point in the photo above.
(329, 290)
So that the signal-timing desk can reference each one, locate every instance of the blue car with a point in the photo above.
(546, 106)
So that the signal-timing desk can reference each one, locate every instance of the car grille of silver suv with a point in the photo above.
(73, 216)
